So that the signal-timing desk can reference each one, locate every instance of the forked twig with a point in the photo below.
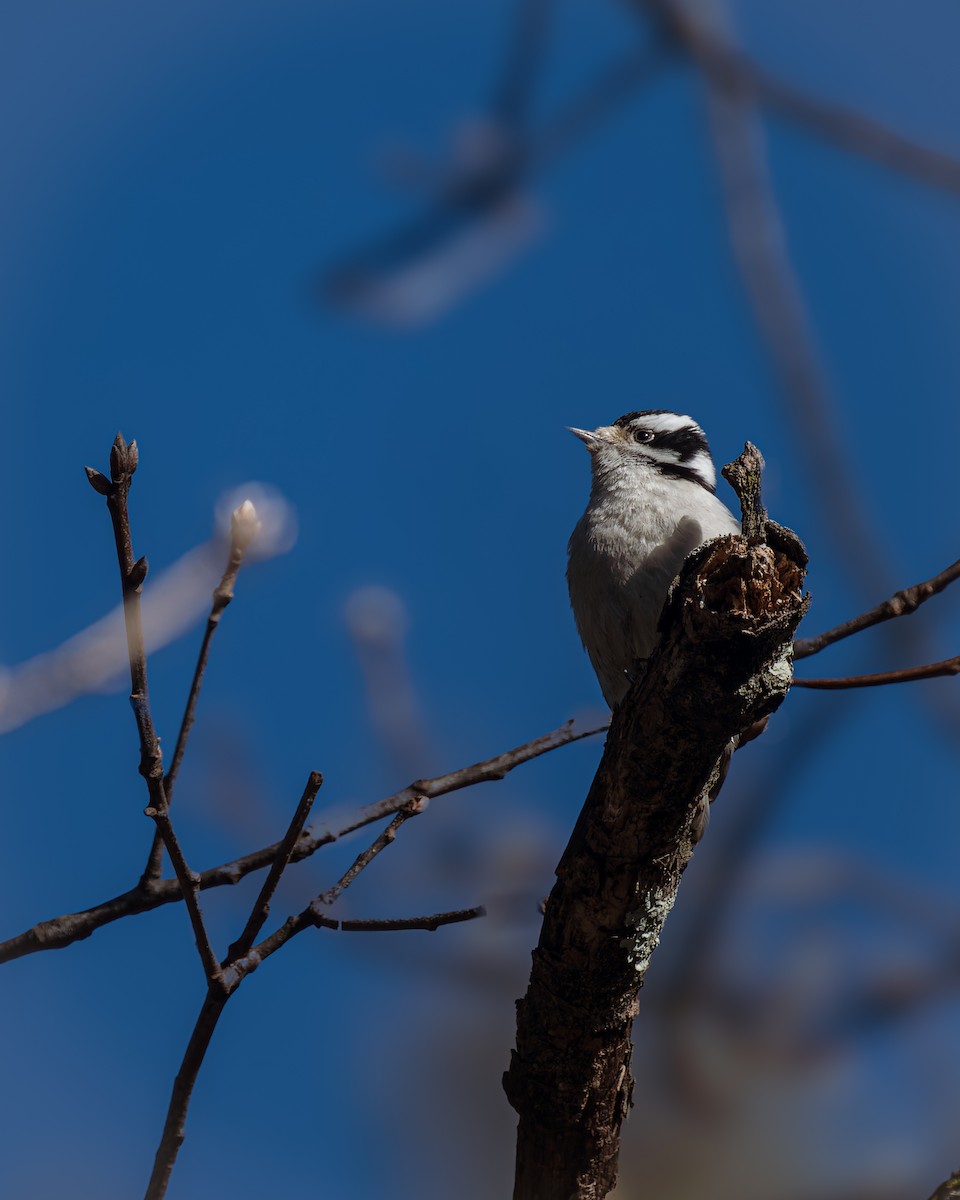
(245, 958)
(315, 915)
(261, 906)
(123, 464)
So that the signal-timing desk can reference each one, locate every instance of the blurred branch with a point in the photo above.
(726, 634)
(123, 464)
(511, 98)
(773, 289)
(58, 932)
(899, 605)
(95, 658)
(949, 666)
(478, 217)
(376, 619)
(760, 247)
(733, 71)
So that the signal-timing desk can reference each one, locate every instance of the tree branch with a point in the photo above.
(722, 664)
(123, 464)
(391, 924)
(244, 958)
(314, 915)
(261, 907)
(412, 808)
(899, 605)
(174, 1125)
(58, 932)
(949, 666)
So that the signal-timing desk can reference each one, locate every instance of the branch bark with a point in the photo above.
(724, 662)
(949, 1189)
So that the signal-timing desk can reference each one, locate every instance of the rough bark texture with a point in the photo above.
(949, 1189)
(723, 664)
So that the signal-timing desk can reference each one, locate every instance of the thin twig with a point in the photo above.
(949, 666)
(261, 907)
(58, 932)
(412, 808)
(314, 915)
(244, 958)
(244, 527)
(434, 922)
(173, 1129)
(482, 772)
(904, 602)
(123, 464)
(218, 993)
(216, 999)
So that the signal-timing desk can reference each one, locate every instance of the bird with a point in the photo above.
(652, 502)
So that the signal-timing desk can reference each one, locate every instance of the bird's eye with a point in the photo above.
(643, 435)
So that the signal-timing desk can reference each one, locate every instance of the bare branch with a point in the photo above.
(216, 999)
(412, 808)
(949, 666)
(261, 907)
(173, 1129)
(58, 932)
(123, 463)
(392, 924)
(244, 527)
(899, 605)
(315, 913)
(481, 772)
(244, 958)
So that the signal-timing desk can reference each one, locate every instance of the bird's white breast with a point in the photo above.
(625, 552)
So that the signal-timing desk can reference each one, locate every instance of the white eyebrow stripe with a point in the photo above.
(667, 422)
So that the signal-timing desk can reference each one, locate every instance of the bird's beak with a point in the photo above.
(593, 439)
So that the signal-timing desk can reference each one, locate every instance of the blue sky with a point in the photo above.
(178, 177)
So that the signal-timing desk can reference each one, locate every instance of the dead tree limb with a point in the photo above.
(724, 663)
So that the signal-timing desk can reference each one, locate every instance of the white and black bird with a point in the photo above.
(652, 502)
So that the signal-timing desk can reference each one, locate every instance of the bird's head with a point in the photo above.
(667, 442)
